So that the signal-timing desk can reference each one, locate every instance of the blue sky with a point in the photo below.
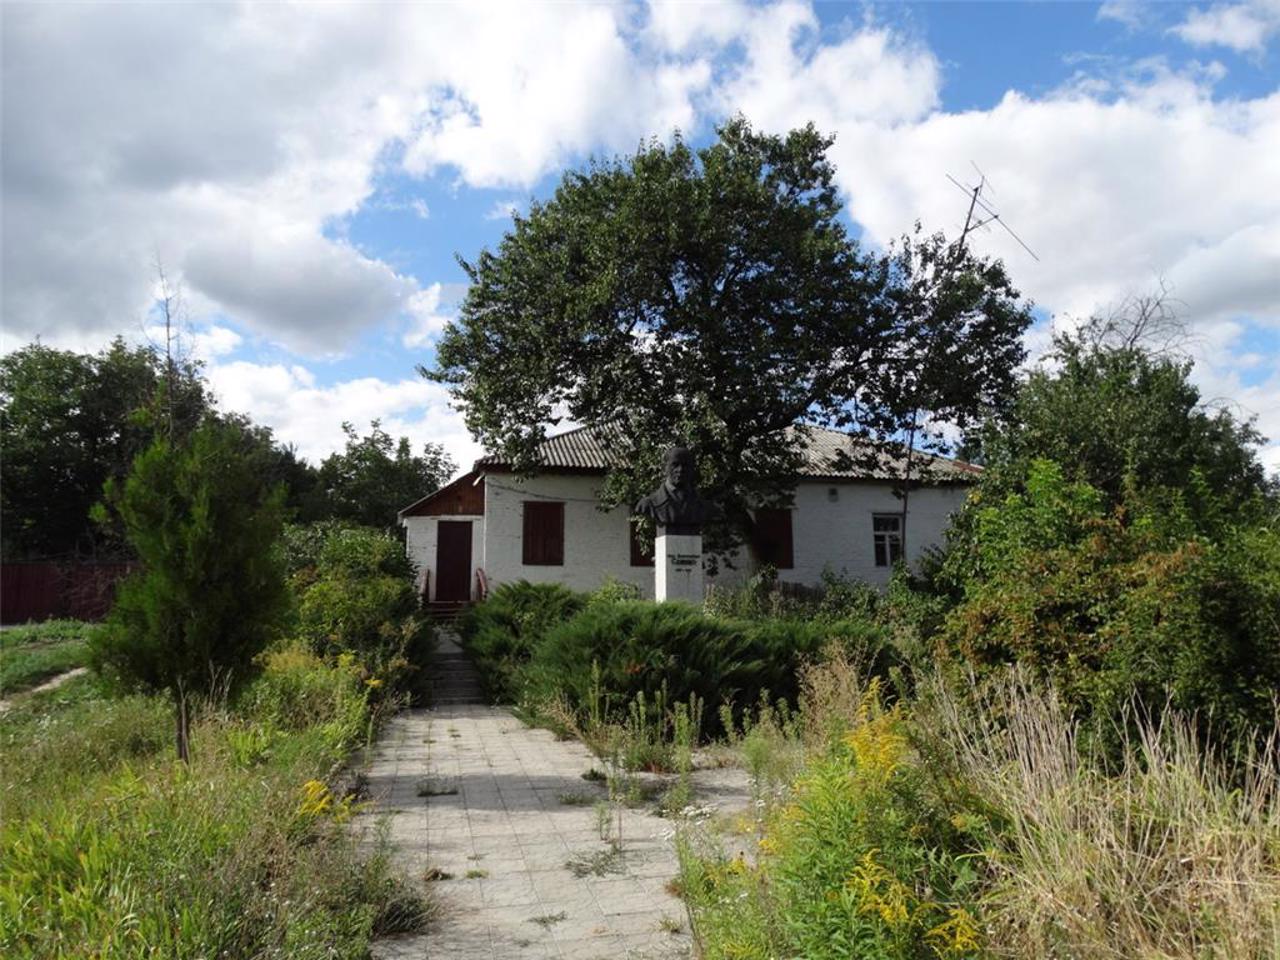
(307, 174)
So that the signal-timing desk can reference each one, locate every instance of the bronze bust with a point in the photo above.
(676, 504)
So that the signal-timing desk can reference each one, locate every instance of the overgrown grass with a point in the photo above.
(114, 849)
(31, 654)
(1174, 852)
(969, 822)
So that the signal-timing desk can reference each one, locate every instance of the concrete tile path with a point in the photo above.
(468, 789)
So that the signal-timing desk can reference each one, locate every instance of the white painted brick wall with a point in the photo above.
(838, 532)
(420, 544)
(596, 543)
(826, 533)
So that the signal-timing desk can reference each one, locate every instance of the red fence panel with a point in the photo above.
(40, 590)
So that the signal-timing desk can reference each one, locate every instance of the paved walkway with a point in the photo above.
(500, 816)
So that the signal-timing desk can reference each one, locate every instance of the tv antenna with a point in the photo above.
(981, 213)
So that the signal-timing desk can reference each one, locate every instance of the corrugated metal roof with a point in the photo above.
(829, 454)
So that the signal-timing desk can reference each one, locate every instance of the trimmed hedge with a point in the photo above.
(615, 651)
(501, 633)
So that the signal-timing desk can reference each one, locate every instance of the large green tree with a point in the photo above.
(375, 476)
(211, 592)
(1127, 420)
(68, 423)
(714, 297)
(72, 421)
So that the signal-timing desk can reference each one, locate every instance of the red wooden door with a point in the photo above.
(453, 560)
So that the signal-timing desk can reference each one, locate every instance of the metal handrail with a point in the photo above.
(482, 584)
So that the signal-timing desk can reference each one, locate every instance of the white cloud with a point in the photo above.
(1117, 180)
(310, 417)
(296, 287)
(502, 210)
(1132, 13)
(233, 140)
(427, 320)
(681, 26)
(554, 81)
(871, 75)
(216, 137)
(1244, 27)
(217, 342)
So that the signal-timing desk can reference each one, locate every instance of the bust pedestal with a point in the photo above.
(677, 566)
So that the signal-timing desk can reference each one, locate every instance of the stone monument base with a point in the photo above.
(677, 566)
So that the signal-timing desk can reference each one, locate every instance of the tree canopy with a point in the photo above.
(714, 297)
(74, 421)
(376, 476)
(1121, 417)
(211, 593)
(68, 423)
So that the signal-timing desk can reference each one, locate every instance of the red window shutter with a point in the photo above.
(772, 539)
(640, 555)
(543, 538)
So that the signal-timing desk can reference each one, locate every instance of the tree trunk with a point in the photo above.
(183, 726)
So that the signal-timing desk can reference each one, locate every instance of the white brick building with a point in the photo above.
(491, 526)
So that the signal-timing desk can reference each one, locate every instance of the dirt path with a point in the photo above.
(59, 680)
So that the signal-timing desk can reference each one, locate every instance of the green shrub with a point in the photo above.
(358, 598)
(359, 614)
(297, 691)
(363, 552)
(614, 590)
(502, 632)
(1113, 605)
(764, 596)
(303, 542)
(616, 651)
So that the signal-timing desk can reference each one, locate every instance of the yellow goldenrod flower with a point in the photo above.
(956, 936)
(316, 799)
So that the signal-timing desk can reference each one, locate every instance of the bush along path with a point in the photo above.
(523, 855)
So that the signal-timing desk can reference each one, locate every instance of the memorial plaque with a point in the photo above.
(677, 566)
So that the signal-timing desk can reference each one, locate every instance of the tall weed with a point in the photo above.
(1173, 852)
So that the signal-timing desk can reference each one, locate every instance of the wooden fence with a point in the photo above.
(41, 590)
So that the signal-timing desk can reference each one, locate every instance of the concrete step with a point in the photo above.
(454, 677)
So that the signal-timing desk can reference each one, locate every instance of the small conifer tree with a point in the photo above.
(211, 591)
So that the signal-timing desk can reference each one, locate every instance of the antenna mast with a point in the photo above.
(985, 213)
(979, 214)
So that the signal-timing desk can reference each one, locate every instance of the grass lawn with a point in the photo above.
(114, 849)
(31, 654)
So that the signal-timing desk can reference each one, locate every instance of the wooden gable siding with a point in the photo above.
(462, 498)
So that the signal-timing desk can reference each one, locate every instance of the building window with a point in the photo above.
(772, 538)
(887, 535)
(543, 533)
(641, 554)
